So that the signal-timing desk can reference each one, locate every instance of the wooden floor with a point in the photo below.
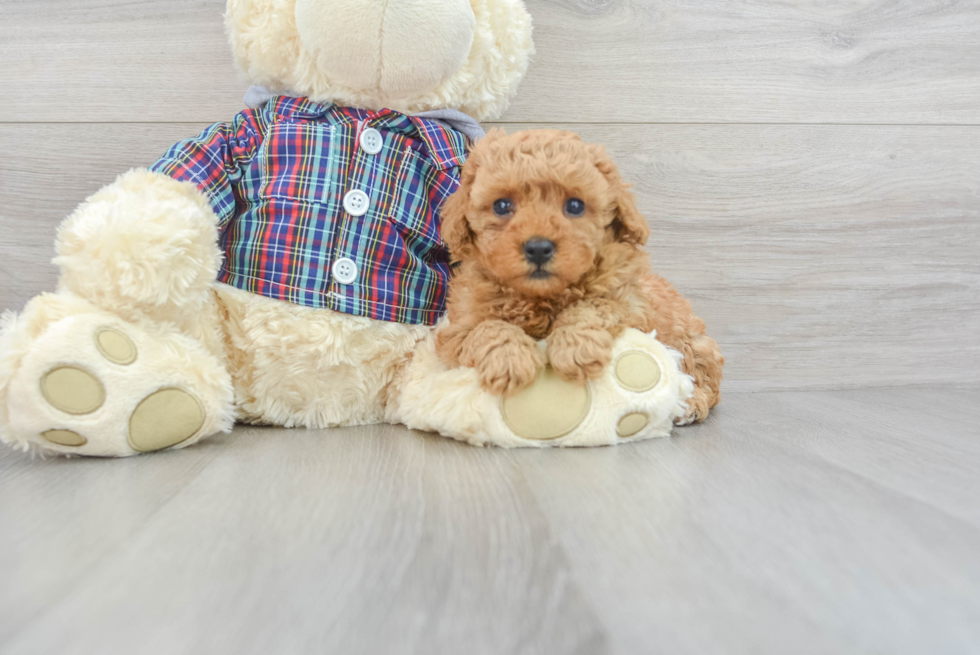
(811, 174)
(792, 522)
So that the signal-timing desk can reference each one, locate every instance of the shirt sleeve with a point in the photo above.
(214, 159)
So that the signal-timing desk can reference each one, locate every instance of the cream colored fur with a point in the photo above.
(423, 42)
(145, 245)
(302, 367)
(247, 356)
(153, 276)
(60, 329)
(451, 402)
(336, 59)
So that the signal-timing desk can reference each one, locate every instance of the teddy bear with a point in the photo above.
(287, 267)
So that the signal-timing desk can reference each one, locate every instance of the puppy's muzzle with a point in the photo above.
(539, 251)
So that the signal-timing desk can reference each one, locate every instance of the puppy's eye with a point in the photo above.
(574, 207)
(503, 207)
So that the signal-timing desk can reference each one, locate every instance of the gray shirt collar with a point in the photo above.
(257, 96)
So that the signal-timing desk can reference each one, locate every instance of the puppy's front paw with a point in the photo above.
(509, 369)
(579, 353)
(506, 359)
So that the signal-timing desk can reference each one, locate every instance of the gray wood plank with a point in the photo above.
(733, 537)
(923, 443)
(789, 522)
(46, 172)
(820, 256)
(53, 550)
(597, 61)
(116, 60)
(357, 541)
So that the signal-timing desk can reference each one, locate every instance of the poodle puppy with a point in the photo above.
(549, 243)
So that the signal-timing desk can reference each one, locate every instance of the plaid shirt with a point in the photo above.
(277, 177)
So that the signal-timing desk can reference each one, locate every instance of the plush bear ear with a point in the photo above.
(628, 225)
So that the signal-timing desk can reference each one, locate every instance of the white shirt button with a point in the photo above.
(344, 270)
(356, 202)
(371, 141)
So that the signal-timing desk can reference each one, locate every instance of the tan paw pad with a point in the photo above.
(548, 409)
(164, 419)
(72, 390)
(637, 371)
(631, 424)
(115, 346)
(65, 438)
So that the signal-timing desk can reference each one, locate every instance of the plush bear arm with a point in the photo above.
(148, 243)
(143, 245)
(212, 161)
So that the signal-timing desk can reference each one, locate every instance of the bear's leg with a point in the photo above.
(316, 368)
(75, 379)
(638, 396)
(128, 356)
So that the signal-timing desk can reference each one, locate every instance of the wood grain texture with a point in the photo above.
(820, 256)
(790, 523)
(798, 522)
(47, 171)
(867, 61)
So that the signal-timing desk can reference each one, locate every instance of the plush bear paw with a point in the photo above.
(93, 384)
(638, 395)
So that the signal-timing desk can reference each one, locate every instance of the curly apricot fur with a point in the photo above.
(599, 281)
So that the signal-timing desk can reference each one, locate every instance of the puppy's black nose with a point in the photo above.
(539, 251)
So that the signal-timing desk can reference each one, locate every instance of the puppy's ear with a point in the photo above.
(627, 225)
(456, 230)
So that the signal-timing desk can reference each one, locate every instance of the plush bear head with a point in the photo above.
(407, 55)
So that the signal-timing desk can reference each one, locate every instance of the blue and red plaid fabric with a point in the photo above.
(277, 176)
